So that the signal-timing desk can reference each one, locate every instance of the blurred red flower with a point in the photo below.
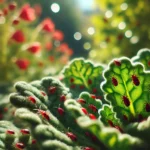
(38, 9)
(48, 46)
(15, 21)
(27, 13)
(48, 25)
(64, 48)
(18, 36)
(22, 63)
(34, 47)
(12, 6)
(58, 35)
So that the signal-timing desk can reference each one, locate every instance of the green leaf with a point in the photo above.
(108, 116)
(110, 138)
(143, 56)
(81, 75)
(126, 86)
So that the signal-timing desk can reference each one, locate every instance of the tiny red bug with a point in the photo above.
(43, 93)
(140, 118)
(94, 90)
(92, 116)
(72, 80)
(20, 145)
(72, 86)
(52, 90)
(111, 123)
(44, 114)
(25, 131)
(117, 63)
(88, 148)
(33, 141)
(71, 136)
(125, 117)
(10, 132)
(93, 96)
(89, 81)
(62, 98)
(119, 128)
(81, 101)
(81, 87)
(93, 108)
(61, 111)
(32, 99)
(126, 101)
(135, 80)
(84, 110)
(147, 107)
(114, 81)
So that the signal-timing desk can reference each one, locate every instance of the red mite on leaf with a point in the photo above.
(117, 63)
(71, 136)
(44, 114)
(84, 111)
(119, 128)
(10, 132)
(135, 80)
(33, 141)
(147, 107)
(111, 123)
(61, 111)
(43, 93)
(25, 131)
(114, 81)
(62, 98)
(32, 99)
(81, 101)
(12, 6)
(72, 80)
(93, 117)
(93, 96)
(20, 145)
(93, 108)
(89, 81)
(88, 148)
(125, 117)
(126, 101)
(52, 90)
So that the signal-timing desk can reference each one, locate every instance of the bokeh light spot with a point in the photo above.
(124, 6)
(108, 14)
(128, 33)
(77, 36)
(134, 39)
(55, 7)
(87, 46)
(121, 25)
(91, 30)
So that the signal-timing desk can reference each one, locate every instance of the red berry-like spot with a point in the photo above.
(72, 80)
(81, 101)
(114, 81)
(5, 109)
(84, 111)
(15, 21)
(147, 107)
(93, 117)
(18, 36)
(20, 145)
(135, 80)
(72, 136)
(88, 148)
(25, 131)
(72, 86)
(44, 114)
(119, 128)
(89, 81)
(94, 90)
(93, 96)
(43, 93)
(12, 6)
(32, 99)
(62, 98)
(10, 132)
(148, 63)
(33, 141)
(52, 90)
(111, 123)
(81, 87)
(125, 117)
(140, 118)
(61, 111)
(93, 108)
(117, 63)
(126, 101)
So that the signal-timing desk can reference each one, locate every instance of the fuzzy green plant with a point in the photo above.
(58, 118)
